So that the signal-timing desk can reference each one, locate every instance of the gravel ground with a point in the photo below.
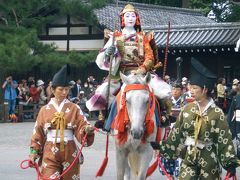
(14, 147)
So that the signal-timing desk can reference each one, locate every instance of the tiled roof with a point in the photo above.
(189, 28)
(150, 15)
(217, 34)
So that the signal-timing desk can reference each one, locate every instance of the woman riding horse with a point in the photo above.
(133, 51)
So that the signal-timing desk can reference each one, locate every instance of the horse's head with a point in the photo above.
(137, 99)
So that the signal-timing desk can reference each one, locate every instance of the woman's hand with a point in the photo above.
(110, 51)
(89, 129)
(231, 170)
(33, 158)
(155, 145)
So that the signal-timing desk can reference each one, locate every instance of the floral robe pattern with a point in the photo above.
(52, 160)
(133, 52)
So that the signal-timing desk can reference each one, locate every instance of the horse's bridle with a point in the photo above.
(151, 103)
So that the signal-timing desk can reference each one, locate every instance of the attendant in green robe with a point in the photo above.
(201, 135)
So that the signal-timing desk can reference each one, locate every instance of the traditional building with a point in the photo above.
(191, 34)
(69, 33)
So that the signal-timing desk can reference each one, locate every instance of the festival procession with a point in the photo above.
(125, 90)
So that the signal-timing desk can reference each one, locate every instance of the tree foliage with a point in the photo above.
(20, 51)
(222, 10)
(22, 21)
(204, 5)
(36, 13)
(235, 15)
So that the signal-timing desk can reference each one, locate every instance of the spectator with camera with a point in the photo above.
(10, 96)
(41, 90)
(75, 89)
(82, 103)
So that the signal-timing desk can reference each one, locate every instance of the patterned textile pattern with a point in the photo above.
(54, 158)
(171, 166)
(214, 134)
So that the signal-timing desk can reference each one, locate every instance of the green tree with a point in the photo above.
(235, 15)
(204, 5)
(223, 10)
(36, 13)
(173, 3)
(22, 52)
(22, 21)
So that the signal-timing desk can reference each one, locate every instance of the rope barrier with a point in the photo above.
(163, 168)
(104, 132)
(35, 165)
(227, 177)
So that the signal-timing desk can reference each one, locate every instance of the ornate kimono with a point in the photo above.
(133, 52)
(172, 166)
(207, 141)
(53, 137)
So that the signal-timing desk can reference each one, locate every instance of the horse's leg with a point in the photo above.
(134, 164)
(127, 172)
(121, 161)
(145, 159)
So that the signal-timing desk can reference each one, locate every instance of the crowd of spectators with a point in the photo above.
(222, 94)
(31, 91)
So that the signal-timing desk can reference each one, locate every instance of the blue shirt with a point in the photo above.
(10, 92)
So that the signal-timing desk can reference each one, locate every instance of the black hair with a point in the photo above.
(209, 92)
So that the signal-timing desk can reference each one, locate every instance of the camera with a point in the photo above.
(9, 79)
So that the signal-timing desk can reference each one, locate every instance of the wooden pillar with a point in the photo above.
(68, 31)
(185, 3)
(5, 111)
(20, 112)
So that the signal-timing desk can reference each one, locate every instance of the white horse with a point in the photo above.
(133, 157)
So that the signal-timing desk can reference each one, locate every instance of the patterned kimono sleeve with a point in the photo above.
(79, 132)
(223, 141)
(38, 137)
(148, 55)
(168, 148)
(101, 62)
